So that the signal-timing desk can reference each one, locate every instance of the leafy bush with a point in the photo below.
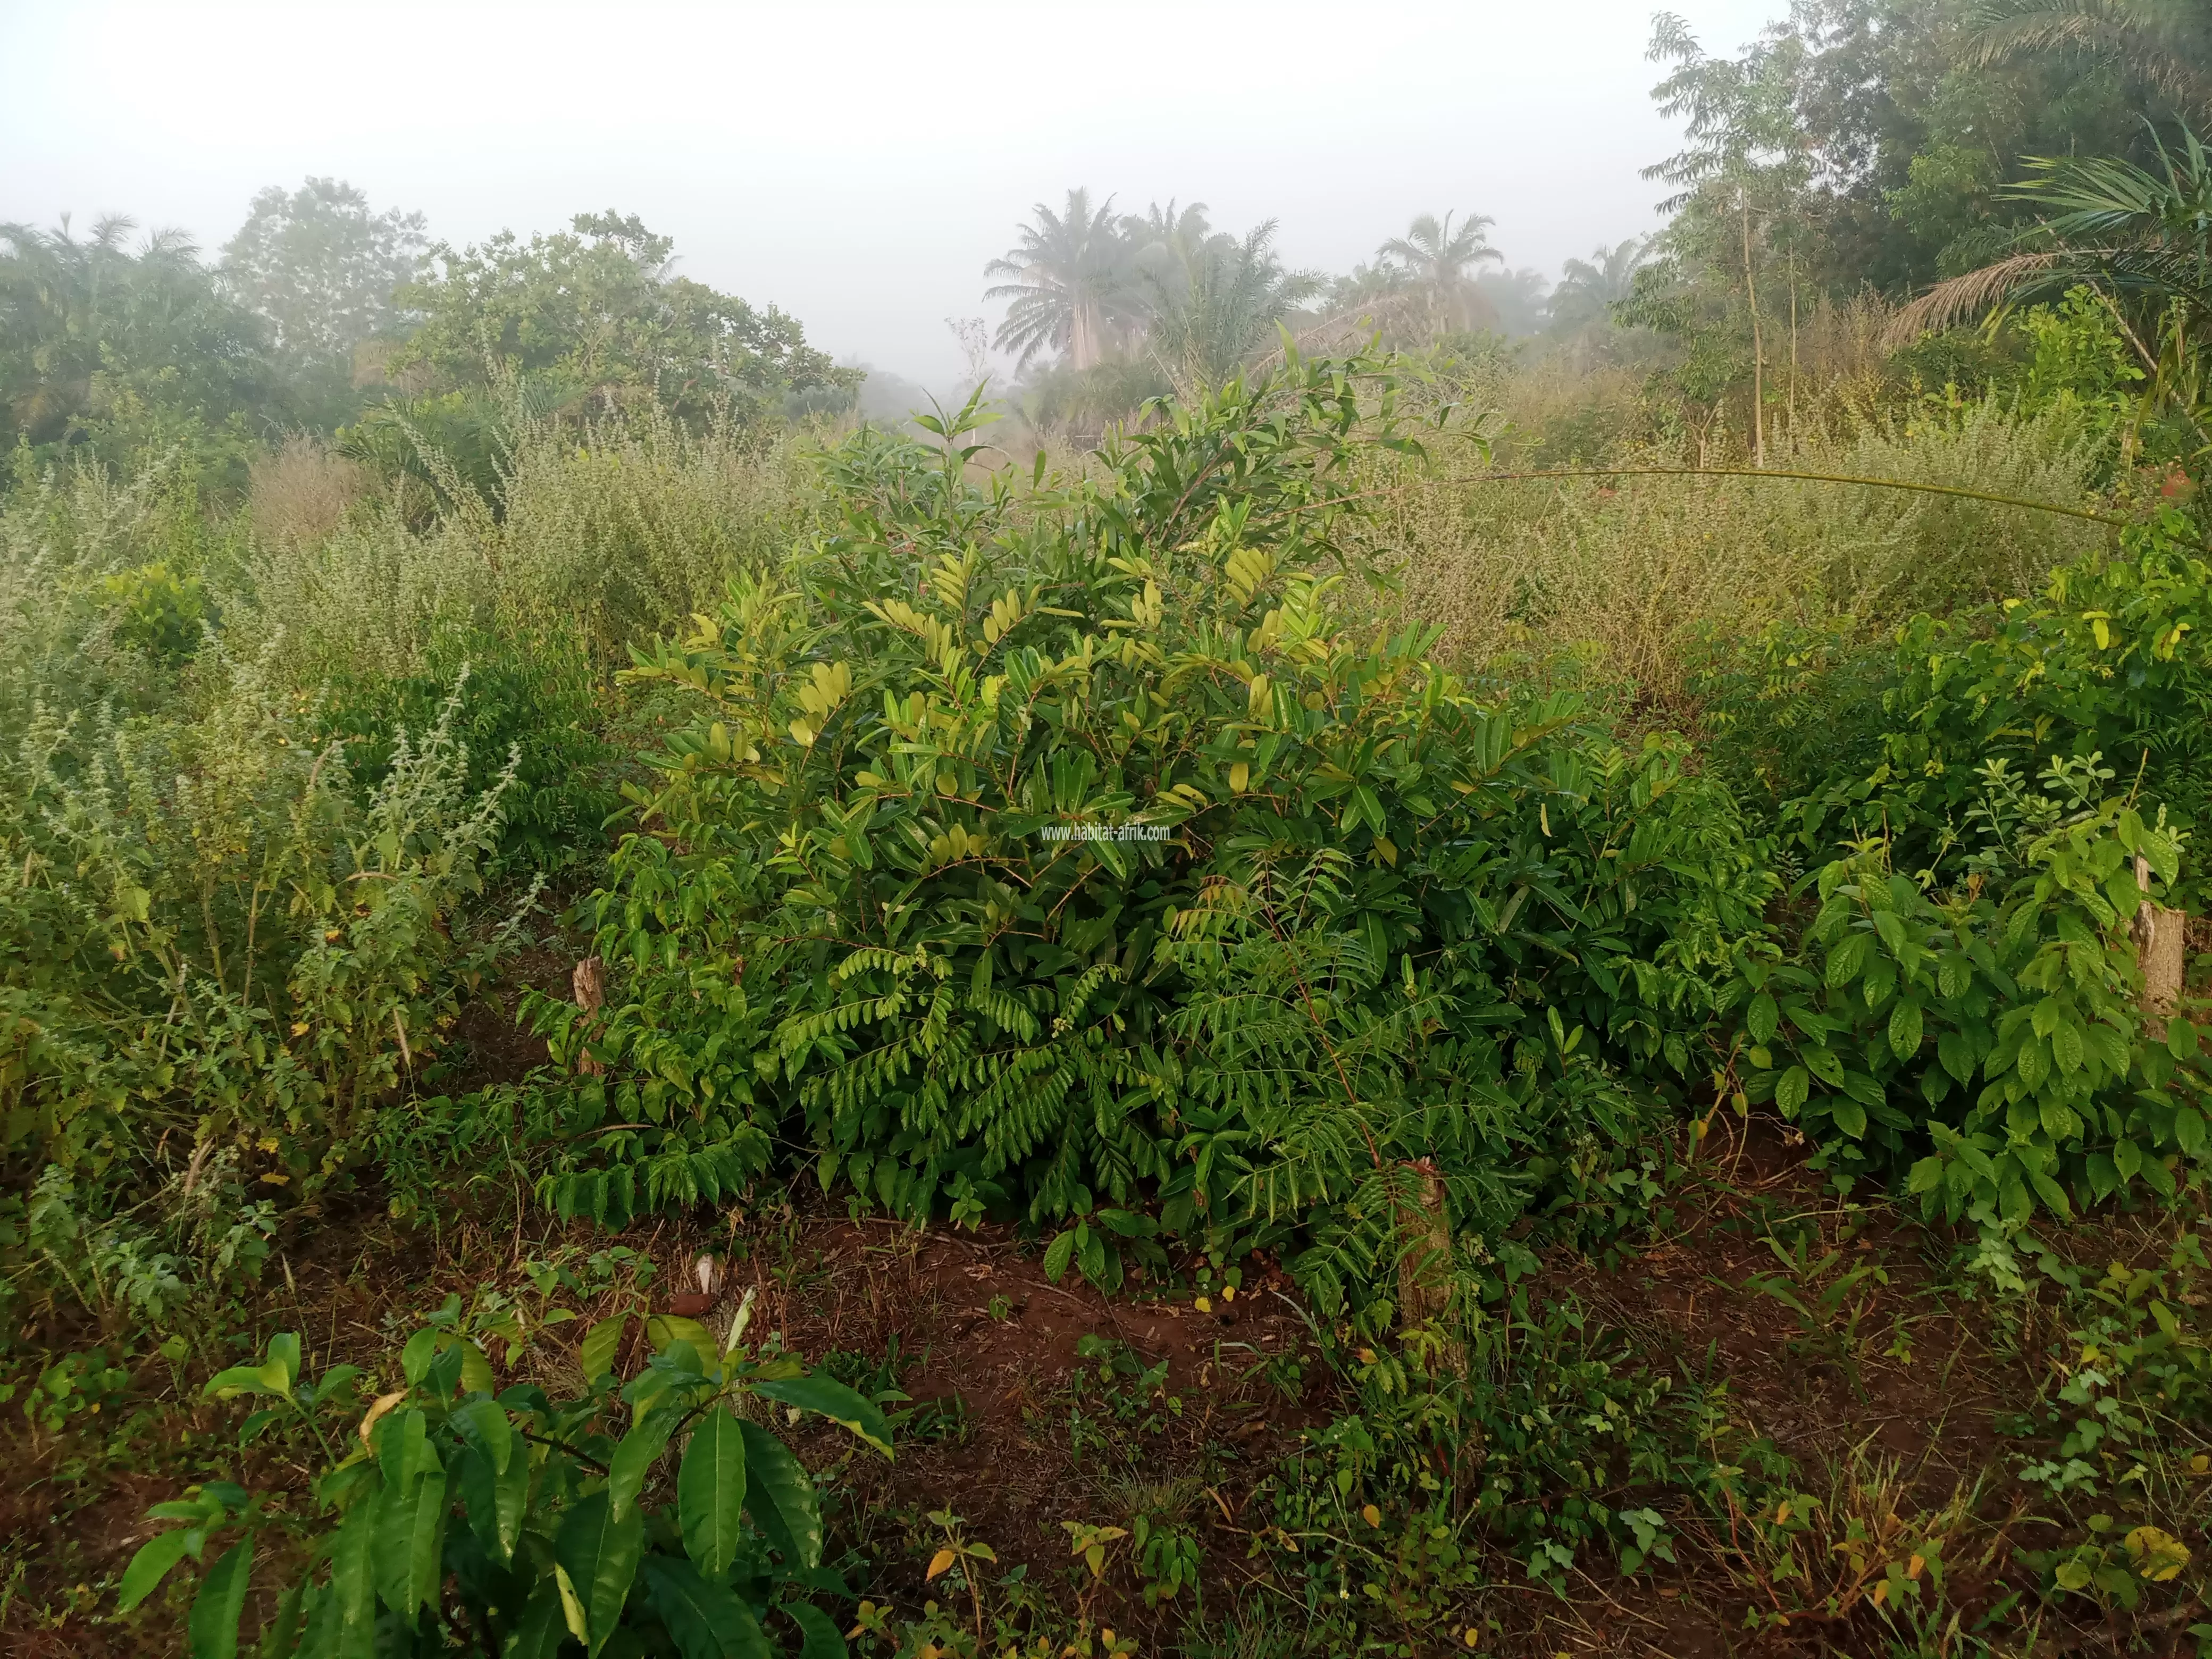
(530, 706)
(559, 1535)
(1901, 1001)
(2111, 660)
(1017, 835)
(214, 953)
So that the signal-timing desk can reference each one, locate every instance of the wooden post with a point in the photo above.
(1425, 1263)
(2159, 932)
(590, 984)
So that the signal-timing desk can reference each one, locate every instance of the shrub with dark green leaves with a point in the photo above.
(932, 888)
(657, 1515)
(2112, 660)
(525, 709)
(1992, 1043)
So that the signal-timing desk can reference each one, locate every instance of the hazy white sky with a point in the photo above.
(855, 164)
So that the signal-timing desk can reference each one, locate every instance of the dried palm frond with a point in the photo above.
(1975, 292)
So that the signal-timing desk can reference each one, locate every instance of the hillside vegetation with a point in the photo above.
(1383, 964)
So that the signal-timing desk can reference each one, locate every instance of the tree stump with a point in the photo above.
(2160, 936)
(1425, 1255)
(590, 983)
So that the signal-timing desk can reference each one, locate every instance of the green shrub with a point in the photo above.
(548, 1519)
(2113, 659)
(215, 953)
(530, 706)
(987, 872)
(1993, 1041)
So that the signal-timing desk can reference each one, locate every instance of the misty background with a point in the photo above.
(856, 165)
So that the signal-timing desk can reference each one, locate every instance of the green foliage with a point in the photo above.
(527, 711)
(461, 1520)
(91, 330)
(1577, 1442)
(1936, 742)
(596, 311)
(1056, 855)
(1992, 1040)
(212, 946)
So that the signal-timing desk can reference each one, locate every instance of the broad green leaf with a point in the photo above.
(818, 1635)
(216, 1610)
(2052, 1194)
(1905, 1030)
(476, 1369)
(545, 1625)
(495, 1503)
(284, 1353)
(662, 1329)
(597, 1355)
(1957, 1054)
(710, 1491)
(2066, 1047)
(833, 1399)
(1057, 1255)
(1848, 1117)
(353, 1579)
(2189, 1131)
(780, 1497)
(706, 1619)
(600, 1552)
(2180, 1038)
(634, 1458)
(403, 1447)
(1848, 959)
(410, 1536)
(1826, 1065)
(483, 1423)
(2104, 1179)
(268, 1378)
(150, 1566)
(1763, 1018)
(415, 1358)
(1791, 1092)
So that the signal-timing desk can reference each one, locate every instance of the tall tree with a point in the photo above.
(90, 326)
(1217, 304)
(599, 309)
(1589, 288)
(2164, 47)
(1067, 280)
(1439, 262)
(320, 266)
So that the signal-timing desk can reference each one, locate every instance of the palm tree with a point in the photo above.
(1067, 280)
(1218, 303)
(2165, 46)
(1589, 288)
(2141, 239)
(2123, 230)
(1437, 259)
(81, 318)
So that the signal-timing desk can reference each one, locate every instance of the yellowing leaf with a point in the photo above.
(940, 1562)
(2158, 1556)
(1240, 777)
(1371, 1516)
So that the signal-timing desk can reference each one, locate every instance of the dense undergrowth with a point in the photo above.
(1125, 862)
